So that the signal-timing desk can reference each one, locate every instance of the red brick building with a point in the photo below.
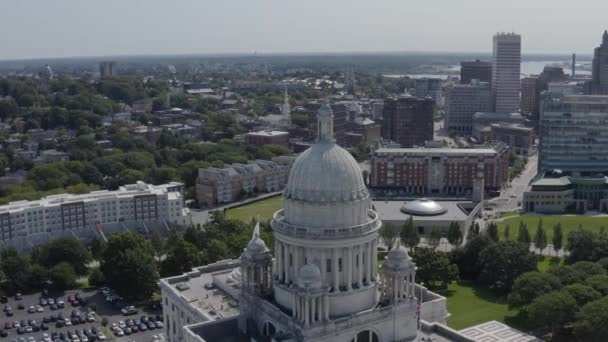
(268, 138)
(440, 171)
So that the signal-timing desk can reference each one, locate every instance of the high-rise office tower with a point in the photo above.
(599, 82)
(475, 70)
(573, 133)
(430, 87)
(408, 120)
(464, 100)
(506, 68)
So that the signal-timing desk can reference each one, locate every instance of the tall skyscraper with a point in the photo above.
(573, 133)
(408, 120)
(475, 70)
(430, 87)
(599, 82)
(505, 72)
(464, 100)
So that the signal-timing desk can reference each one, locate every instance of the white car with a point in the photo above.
(119, 332)
(28, 329)
(39, 309)
(101, 336)
(75, 338)
(121, 324)
(67, 322)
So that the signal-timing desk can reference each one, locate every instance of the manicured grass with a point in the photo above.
(548, 262)
(508, 214)
(471, 304)
(264, 208)
(569, 223)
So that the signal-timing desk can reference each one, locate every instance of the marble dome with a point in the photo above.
(397, 259)
(423, 207)
(309, 276)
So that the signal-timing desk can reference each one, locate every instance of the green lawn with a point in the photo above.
(547, 262)
(569, 223)
(471, 304)
(264, 208)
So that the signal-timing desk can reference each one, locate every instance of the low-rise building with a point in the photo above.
(228, 184)
(268, 137)
(97, 213)
(567, 194)
(519, 137)
(439, 171)
(482, 121)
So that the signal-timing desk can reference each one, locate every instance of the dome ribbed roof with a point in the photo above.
(423, 207)
(325, 173)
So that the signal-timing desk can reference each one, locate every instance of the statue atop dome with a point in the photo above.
(326, 123)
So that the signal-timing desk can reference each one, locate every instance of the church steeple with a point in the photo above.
(326, 123)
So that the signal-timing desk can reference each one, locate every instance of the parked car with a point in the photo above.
(159, 324)
(129, 310)
(18, 296)
(3, 333)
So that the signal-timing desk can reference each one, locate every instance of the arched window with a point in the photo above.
(269, 329)
(366, 336)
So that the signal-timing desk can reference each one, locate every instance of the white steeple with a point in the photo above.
(286, 110)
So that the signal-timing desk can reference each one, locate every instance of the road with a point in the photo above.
(511, 197)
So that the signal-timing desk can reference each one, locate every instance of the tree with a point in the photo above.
(603, 262)
(523, 234)
(567, 274)
(434, 238)
(580, 245)
(16, 268)
(159, 245)
(454, 234)
(467, 257)
(409, 234)
(128, 266)
(38, 277)
(67, 250)
(558, 238)
(182, 256)
(507, 232)
(501, 263)
(588, 268)
(97, 247)
(551, 311)
(599, 283)
(531, 285)
(96, 278)
(473, 231)
(434, 269)
(591, 322)
(389, 235)
(540, 237)
(63, 276)
(582, 294)
(492, 231)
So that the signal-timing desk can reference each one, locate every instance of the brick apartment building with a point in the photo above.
(268, 137)
(228, 184)
(439, 171)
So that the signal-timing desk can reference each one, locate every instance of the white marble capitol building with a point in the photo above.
(321, 282)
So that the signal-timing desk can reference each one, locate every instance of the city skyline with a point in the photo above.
(68, 28)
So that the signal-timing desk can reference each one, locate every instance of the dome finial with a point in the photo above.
(326, 123)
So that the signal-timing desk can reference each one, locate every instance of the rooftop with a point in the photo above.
(266, 133)
(437, 151)
(496, 331)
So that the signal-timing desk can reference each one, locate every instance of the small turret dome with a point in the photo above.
(256, 248)
(309, 277)
(398, 260)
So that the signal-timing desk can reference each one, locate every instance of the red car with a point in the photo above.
(8, 325)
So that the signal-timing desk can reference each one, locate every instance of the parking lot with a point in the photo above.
(84, 331)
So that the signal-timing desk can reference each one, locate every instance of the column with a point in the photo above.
(336, 271)
(360, 269)
(368, 261)
(313, 310)
(296, 263)
(306, 311)
(294, 305)
(319, 309)
(323, 268)
(286, 263)
(326, 305)
(374, 260)
(277, 259)
(349, 268)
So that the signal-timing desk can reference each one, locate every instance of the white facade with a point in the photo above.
(53, 215)
(506, 68)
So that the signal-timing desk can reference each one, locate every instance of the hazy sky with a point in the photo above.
(58, 28)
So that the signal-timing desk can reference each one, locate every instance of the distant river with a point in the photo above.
(527, 69)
